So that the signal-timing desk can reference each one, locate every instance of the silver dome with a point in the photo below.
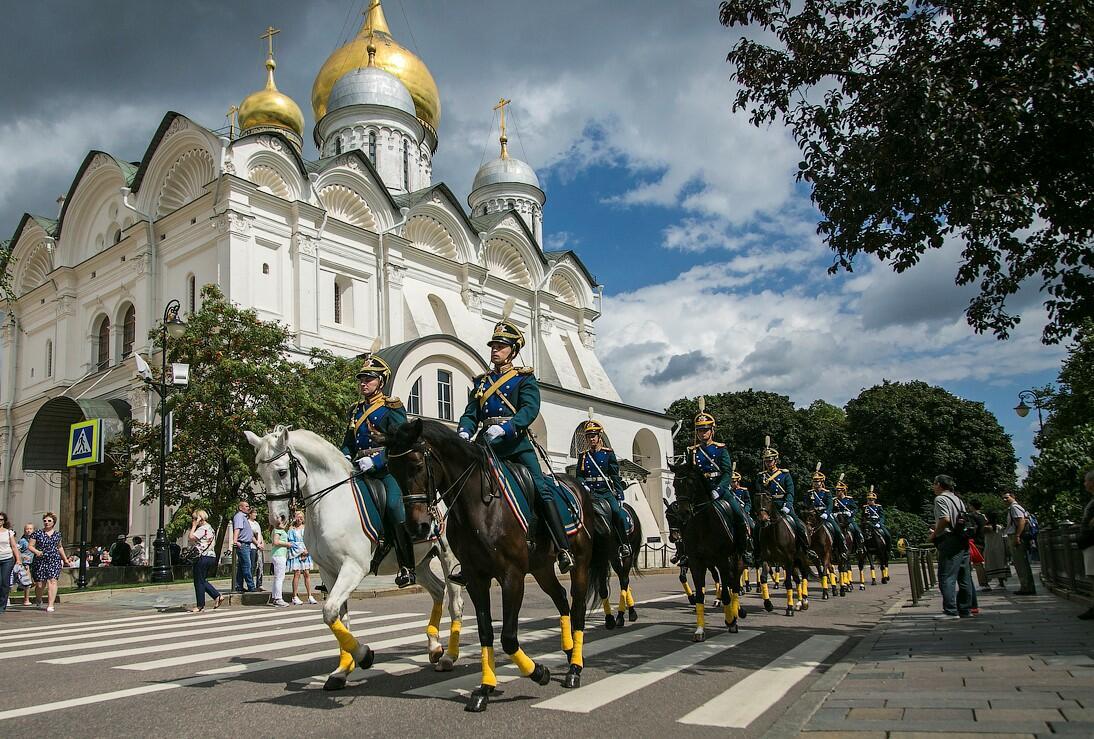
(505, 171)
(370, 86)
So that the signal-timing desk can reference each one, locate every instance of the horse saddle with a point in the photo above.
(725, 514)
(602, 524)
(523, 478)
(377, 491)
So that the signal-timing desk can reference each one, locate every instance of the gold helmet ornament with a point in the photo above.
(736, 474)
(592, 426)
(871, 495)
(818, 475)
(704, 420)
(505, 331)
(373, 365)
(769, 451)
(840, 484)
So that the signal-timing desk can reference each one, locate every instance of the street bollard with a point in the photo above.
(913, 565)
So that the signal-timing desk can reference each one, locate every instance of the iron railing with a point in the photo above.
(921, 571)
(654, 555)
(1062, 560)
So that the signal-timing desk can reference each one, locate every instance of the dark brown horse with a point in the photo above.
(820, 541)
(437, 469)
(778, 546)
(623, 567)
(708, 544)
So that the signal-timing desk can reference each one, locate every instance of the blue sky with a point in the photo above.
(714, 277)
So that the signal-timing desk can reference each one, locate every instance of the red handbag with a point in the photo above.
(974, 554)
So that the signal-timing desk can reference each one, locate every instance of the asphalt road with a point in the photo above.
(112, 669)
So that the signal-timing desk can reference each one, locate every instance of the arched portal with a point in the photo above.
(646, 452)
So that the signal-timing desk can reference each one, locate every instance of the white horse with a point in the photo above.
(300, 466)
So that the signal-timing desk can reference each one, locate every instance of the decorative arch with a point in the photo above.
(270, 180)
(37, 265)
(504, 261)
(89, 218)
(440, 312)
(647, 453)
(186, 180)
(126, 318)
(429, 234)
(345, 204)
(564, 289)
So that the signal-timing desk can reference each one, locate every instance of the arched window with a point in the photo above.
(337, 302)
(117, 236)
(372, 147)
(510, 205)
(444, 395)
(265, 268)
(102, 350)
(191, 293)
(414, 399)
(49, 357)
(406, 165)
(129, 331)
(337, 144)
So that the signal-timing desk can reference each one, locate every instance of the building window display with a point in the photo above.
(444, 395)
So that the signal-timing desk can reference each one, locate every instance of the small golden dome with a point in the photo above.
(269, 108)
(390, 56)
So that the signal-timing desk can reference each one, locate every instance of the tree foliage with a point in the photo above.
(930, 120)
(241, 377)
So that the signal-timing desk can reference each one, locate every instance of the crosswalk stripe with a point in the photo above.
(751, 697)
(200, 644)
(612, 688)
(239, 651)
(505, 673)
(252, 617)
(68, 628)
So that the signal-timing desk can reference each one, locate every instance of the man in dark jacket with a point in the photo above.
(977, 515)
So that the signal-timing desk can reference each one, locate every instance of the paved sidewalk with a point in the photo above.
(1024, 667)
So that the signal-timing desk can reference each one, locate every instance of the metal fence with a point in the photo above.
(655, 554)
(1062, 560)
(921, 571)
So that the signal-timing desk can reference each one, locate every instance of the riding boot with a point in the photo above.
(383, 546)
(404, 553)
(558, 535)
(745, 538)
(624, 547)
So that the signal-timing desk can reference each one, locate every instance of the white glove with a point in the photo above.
(494, 432)
(465, 436)
(824, 516)
(877, 526)
(714, 494)
(786, 510)
(365, 464)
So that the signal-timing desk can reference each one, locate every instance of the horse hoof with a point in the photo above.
(435, 655)
(698, 635)
(884, 581)
(366, 661)
(619, 620)
(541, 675)
(632, 614)
(805, 605)
(789, 611)
(861, 587)
(748, 588)
(741, 612)
(732, 626)
(716, 604)
(445, 664)
(769, 606)
(573, 678)
(477, 703)
(609, 622)
(824, 595)
(335, 682)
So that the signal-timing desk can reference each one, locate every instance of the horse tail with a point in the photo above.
(599, 566)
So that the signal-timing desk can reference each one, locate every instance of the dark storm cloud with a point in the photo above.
(679, 367)
(771, 358)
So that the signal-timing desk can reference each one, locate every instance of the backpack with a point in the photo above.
(964, 525)
(1030, 533)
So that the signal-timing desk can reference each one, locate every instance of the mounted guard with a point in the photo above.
(598, 471)
(505, 402)
(713, 460)
(378, 413)
(820, 502)
(845, 508)
(874, 515)
(776, 482)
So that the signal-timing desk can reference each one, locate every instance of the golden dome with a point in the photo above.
(269, 108)
(391, 56)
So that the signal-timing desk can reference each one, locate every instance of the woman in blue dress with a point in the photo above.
(300, 562)
(49, 555)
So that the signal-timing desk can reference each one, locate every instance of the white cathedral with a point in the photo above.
(356, 245)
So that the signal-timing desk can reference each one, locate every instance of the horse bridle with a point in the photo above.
(433, 497)
(295, 491)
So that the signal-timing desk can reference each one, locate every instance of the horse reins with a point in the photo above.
(433, 496)
(295, 489)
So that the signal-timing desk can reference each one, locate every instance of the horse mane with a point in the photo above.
(319, 450)
(447, 443)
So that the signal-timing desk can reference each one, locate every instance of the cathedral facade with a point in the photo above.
(356, 245)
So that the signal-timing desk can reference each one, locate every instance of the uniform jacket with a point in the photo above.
(380, 413)
(588, 473)
(874, 513)
(845, 504)
(820, 500)
(779, 485)
(745, 499)
(519, 390)
(713, 459)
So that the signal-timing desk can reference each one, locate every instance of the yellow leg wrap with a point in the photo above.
(764, 591)
(805, 589)
(727, 611)
(608, 606)
(734, 605)
(824, 583)
(700, 615)
(454, 640)
(577, 658)
(790, 597)
(523, 662)
(622, 600)
(567, 633)
(687, 588)
(630, 598)
(346, 641)
(488, 676)
(345, 662)
(744, 576)
(884, 571)
(433, 630)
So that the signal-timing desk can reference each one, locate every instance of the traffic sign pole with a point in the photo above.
(81, 581)
(85, 447)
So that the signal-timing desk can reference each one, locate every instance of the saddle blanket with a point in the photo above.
(518, 502)
(369, 514)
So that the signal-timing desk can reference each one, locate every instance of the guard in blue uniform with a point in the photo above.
(598, 471)
(505, 402)
(777, 482)
(874, 515)
(377, 413)
(845, 507)
(821, 502)
(712, 459)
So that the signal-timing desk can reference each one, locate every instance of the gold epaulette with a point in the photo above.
(718, 443)
(525, 370)
(394, 403)
(693, 447)
(783, 469)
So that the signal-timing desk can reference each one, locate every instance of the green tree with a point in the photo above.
(935, 120)
(903, 434)
(241, 377)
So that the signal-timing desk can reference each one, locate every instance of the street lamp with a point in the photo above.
(1037, 401)
(174, 327)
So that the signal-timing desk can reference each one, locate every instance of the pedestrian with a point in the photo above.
(121, 554)
(278, 558)
(242, 535)
(981, 521)
(996, 565)
(49, 555)
(138, 557)
(258, 546)
(954, 572)
(104, 557)
(1019, 536)
(9, 558)
(1086, 536)
(26, 580)
(202, 538)
(299, 559)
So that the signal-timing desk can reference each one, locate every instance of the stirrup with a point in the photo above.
(456, 576)
(624, 551)
(405, 578)
(565, 561)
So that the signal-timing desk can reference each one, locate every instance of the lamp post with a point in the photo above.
(174, 327)
(1036, 400)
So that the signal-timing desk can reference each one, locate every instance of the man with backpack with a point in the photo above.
(1020, 532)
(953, 528)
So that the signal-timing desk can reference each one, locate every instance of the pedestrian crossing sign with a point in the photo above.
(85, 442)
